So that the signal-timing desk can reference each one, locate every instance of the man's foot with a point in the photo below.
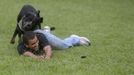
(83, 40)
(48, 29)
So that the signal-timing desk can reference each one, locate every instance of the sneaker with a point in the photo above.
(73, 35)
(48, 29)
(85, 41)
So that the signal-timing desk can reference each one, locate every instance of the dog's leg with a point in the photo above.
(14, 36)
(20, 38)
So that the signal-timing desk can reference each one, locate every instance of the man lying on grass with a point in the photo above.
(35, 46)
(39, 44)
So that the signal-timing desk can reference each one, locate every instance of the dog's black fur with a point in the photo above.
(28, 20)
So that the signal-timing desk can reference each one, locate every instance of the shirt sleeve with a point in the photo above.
(42, 40)
(21, 48)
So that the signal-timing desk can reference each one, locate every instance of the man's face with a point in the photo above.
(33, 43)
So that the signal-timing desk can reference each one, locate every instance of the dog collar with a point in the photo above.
(20, 25)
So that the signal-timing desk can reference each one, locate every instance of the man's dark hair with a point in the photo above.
(29, 35)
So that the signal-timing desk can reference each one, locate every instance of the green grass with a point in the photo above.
(108, 24)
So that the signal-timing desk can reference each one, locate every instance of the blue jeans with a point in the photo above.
(58, 43)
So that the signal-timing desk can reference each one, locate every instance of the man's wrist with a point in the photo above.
(47, 57)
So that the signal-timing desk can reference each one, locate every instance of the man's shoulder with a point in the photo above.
(21, 48)
(41, 36)
(42, 39)
(21, 44)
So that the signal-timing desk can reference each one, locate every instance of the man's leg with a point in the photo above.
(73, 40)
(76, 40)
(54, 41)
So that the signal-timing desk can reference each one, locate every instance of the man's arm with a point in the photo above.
(30, 54)
(48, 52)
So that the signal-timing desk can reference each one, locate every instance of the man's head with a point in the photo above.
(30, 40)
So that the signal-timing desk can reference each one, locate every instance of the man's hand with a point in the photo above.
(46, 56)
(48, 52)
(30, 54)
(40, 58)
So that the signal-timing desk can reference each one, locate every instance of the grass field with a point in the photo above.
(108, 23)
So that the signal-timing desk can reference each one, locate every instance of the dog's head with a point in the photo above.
(30, 21)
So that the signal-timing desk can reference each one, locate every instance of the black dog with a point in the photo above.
(28, 20)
